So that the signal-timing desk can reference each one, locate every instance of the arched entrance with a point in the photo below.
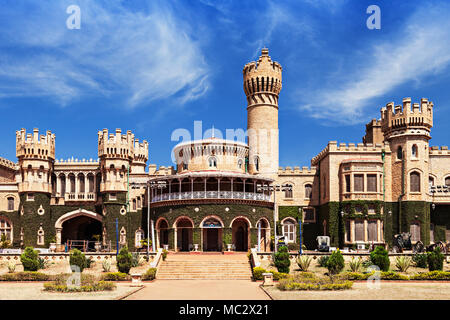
(212, 234)
(163, 232)
(264, 234)
(183, 227)
(81, 225)
(240, 234)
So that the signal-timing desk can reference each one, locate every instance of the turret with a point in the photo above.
(36, 154)
(262, 85)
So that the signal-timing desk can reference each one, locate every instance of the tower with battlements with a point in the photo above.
(262, 86)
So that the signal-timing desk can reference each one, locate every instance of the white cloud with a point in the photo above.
(421, 49)
(141, 55)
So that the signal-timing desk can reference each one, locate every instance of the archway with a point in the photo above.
(79, 225)
(163, 232)
(263, 227)
(240, 234)
(212, 234)
(183, 227)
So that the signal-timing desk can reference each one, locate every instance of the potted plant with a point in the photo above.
(98, 244)
(52, 244)
(227, 239)
(195, 247)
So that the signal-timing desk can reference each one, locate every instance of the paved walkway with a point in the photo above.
(200, 290)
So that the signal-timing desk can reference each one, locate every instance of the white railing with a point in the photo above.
(72, 196)
(211, 195)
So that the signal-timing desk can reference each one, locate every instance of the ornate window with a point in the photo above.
(123, 236)
(414, 151)
(40, 236)
(308, 191)
(288, 229)
(212, 162)
(5, 229)
(414, 179)
(414, 229)
(288, 191)
(134, 204)
(10, 204)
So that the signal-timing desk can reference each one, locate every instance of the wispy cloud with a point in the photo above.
(421, 49)
(137, 55)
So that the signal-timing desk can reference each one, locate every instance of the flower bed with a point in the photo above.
(116, 276)
(258, 271)
(391, 275)
(88, 283)
(25, 276)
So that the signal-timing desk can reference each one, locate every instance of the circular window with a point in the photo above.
(123, 211)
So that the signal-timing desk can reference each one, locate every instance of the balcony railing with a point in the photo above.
(211, 195)
(362, 196)
(72, 196)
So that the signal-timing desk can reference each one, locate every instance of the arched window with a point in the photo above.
(5, 229)
(308, 191)
(212, 162)
(399, 153)
(139, 202)
(414, 151)
(431, 181)
(123, 236)
(414, 229)
(139, 235)
(257, 163)
(414, 179)
(10, 204)
(288, 229)
(447, 181)
(240, 162)
(134, 204)
(431, 232)
(288, 191)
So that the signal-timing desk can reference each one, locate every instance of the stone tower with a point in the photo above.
(36, 154)
(262, 85)
(407, 130)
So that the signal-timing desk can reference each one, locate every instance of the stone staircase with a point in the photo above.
(205, 267)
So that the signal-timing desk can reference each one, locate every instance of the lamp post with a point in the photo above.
(274, 189)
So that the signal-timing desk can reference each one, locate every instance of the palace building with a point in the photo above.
(219, 196)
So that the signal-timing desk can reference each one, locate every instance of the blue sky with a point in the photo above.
(155, 66)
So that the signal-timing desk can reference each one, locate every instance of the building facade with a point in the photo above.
(218, 196)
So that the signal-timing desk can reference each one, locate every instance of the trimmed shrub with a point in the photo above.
(303, 262)
(322, 261)
(391, 275)
(150, 274)
(92, 287)
(164, 254)
(77, 258)
(11, 266)
(25, 276)
(403, 263)
(380, 258)
(30, 259)
(115, 276)
(420, 260)
(135, 257)
(257, 273)
(435, 260)
(281, 260)
(336, 262)
(309, 281)
(432, 275)
(124, 260)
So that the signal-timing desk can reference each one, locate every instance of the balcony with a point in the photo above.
(197, 195)
(362, 196)
(72, 196)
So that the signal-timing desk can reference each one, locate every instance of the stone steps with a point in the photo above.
(204, 268)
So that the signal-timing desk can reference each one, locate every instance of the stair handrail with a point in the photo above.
(254, 258)
(155, 262)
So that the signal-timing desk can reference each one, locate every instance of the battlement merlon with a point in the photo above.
(304, 171)
(442, 151)
(8, 163)
(33, 145)
(263, 75)
(140, 151)
(419, 115)
(367, 148)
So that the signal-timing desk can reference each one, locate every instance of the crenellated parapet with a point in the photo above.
(407, 119)
(35, 146)
(8, 164)
(303, 171)
(439, 151)
(262, 80)
(333, 147)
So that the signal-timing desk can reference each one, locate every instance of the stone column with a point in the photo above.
(58, 235)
